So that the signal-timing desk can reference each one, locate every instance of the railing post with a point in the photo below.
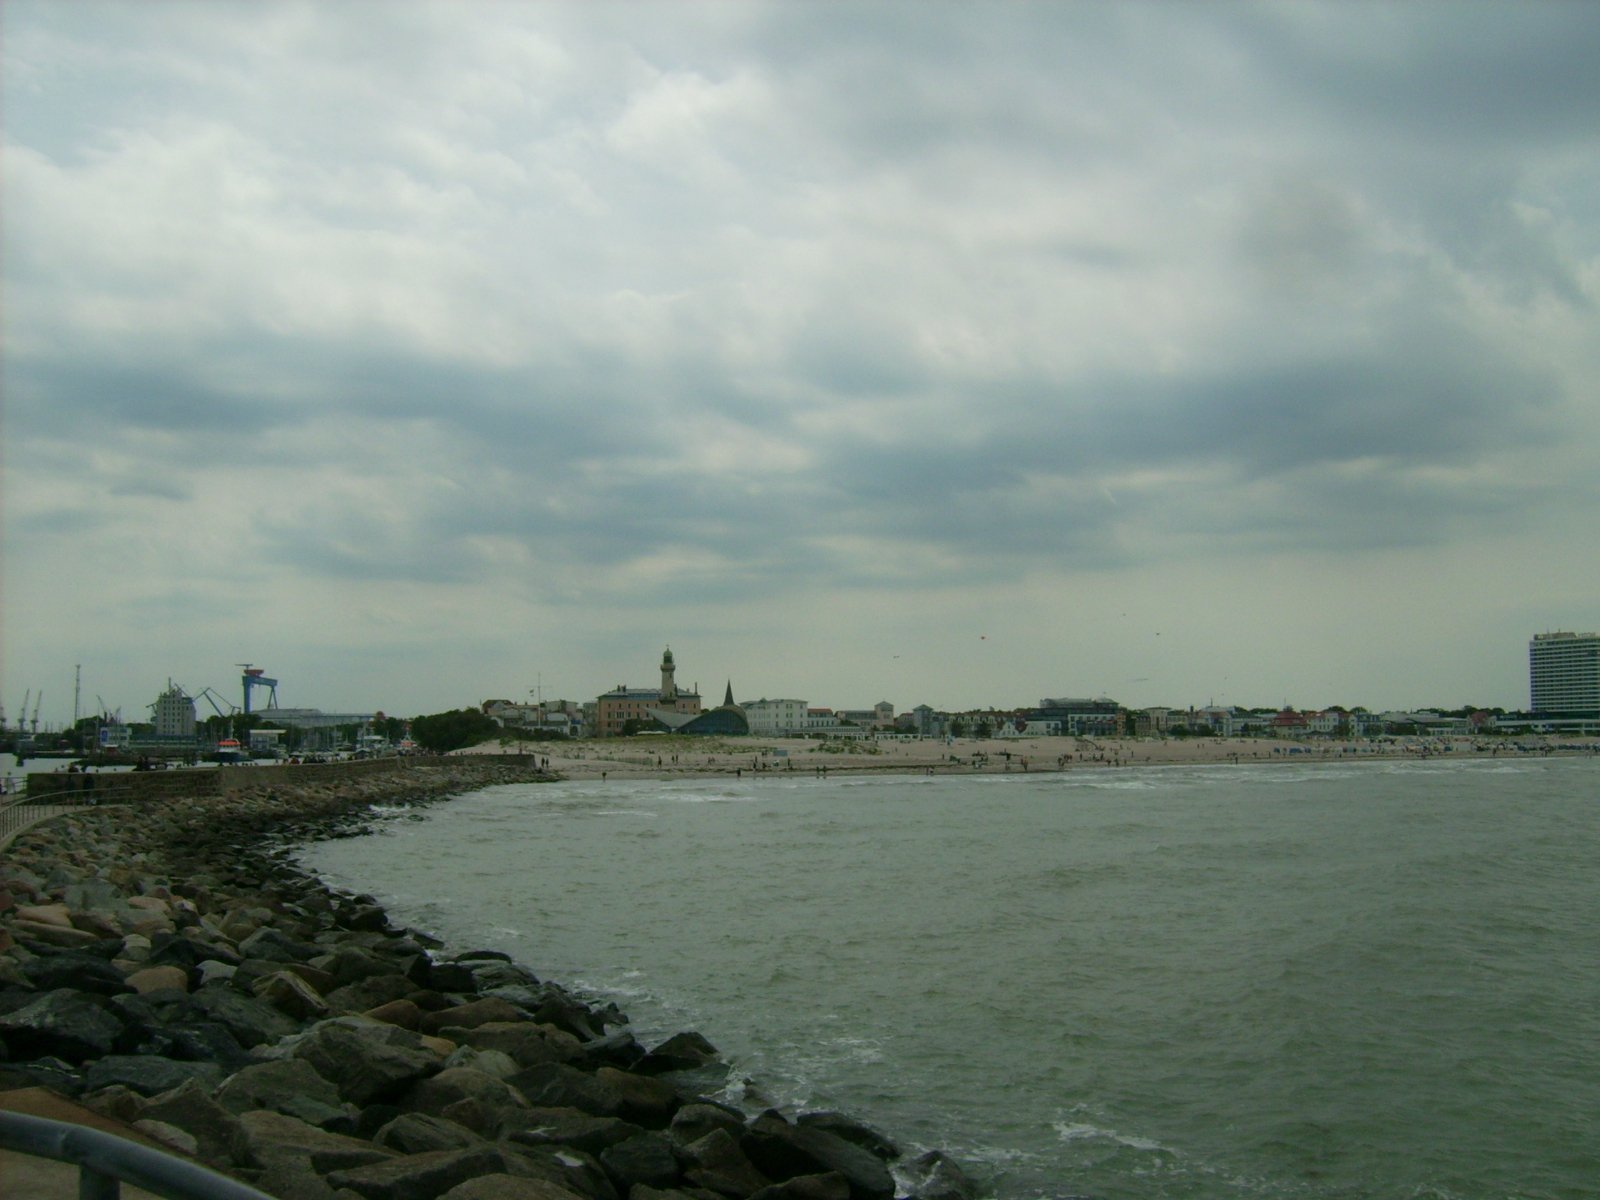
(92, 1185)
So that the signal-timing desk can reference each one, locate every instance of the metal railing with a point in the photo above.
(26, 809)
(105, 1162)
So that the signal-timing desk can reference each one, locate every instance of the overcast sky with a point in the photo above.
(958, 354)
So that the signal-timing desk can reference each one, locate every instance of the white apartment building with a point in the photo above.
(776, 718)
(1564, 673)
(173, 713)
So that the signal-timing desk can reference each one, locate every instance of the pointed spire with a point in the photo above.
(727, 701)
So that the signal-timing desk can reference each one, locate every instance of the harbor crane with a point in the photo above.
(37, 700)
(253, 678)
(212, 698)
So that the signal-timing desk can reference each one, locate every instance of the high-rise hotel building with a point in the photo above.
(1564, 673)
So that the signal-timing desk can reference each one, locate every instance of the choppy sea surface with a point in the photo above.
(1284, 982)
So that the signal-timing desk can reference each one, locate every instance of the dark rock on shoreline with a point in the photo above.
(169, 965)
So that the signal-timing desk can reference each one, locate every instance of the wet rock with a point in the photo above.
(935, 1176)
(716, 1163)
(783, 1151)
(852, 1131)
(527, 1043)
(548, 1127)
(831, 1186)
(693, 1121)
(553, 1085)
(643, 1100)
(680, 1052)
(645, 1158)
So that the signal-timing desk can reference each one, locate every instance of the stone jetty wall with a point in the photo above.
(168, 966)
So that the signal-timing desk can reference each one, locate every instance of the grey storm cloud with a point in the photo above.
(566, 304)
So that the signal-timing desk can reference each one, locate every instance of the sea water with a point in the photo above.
(1287, 981)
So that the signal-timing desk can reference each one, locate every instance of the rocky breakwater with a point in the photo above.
(169, 966)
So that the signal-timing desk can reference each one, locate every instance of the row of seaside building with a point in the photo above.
(669, 708)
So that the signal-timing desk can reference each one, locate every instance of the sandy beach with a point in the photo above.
(666, 756)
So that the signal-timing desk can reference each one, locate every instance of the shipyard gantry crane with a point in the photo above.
(253, 678)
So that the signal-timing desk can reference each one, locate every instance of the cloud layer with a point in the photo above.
(424, 355)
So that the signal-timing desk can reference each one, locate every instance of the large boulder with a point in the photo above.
(290, 1086)
(553, 1085)
(782, 1151)
(249, 1020)
(527, 1043)
(369, 1061)
(508, 1187)
(452, 1084)
(148, 1074)
(419, 1176)
(715, 1163)
(266, 1138)
(64, 1024)
(646, 1158)
(76, 969)
(551, 1127)
(191, 1108)
(935, 1176)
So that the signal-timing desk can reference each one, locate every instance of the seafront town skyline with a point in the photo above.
(1227, 352)
(1563, 673)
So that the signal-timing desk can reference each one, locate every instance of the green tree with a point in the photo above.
(446, 731)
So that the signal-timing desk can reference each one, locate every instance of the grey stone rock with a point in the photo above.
(783, 1151)
(473, 1013)
(277, 946)
(831, 1186)
(64, 1024)
(453, 1084)
(852, 1131)
(643, 1100)
(264, 1139)
(370, 991)
(191, 1108)
(549, 1127)
(508, 1187)
(554, 1085)
(417, 1133)
(645, 1158)
(936, 1176)
(529, 1044)
(148, 1074)
(694, 1120)
(290, 1086)
(418, 1176)
(250, 1021)
(369, 1062)
(76, 969)
(680, 1052)
(716, 1163)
